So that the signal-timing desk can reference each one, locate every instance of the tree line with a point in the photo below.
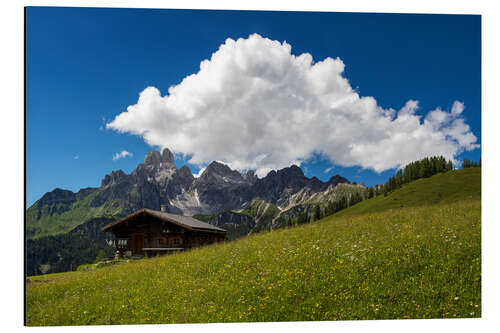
(423, 168)
(466, 163)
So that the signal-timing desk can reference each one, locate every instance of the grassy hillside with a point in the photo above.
(78, 213)
(410, 262)
(452, 186)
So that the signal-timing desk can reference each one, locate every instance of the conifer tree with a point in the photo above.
(449, 166)
(399, 178)
(425, 168)
(317, 213)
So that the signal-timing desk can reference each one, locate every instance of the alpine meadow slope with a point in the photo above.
(415, 253)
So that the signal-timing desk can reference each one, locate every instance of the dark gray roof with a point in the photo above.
(184, 220)
(181, 220)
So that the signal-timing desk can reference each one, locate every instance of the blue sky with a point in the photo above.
(86, 66)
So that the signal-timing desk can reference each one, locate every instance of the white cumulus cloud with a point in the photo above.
(255, 105)
(122, 154)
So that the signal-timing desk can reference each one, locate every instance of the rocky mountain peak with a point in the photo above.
(57, 195)
(160, 161)
(290, 174)
(220, 172)
(167, 157)
(218, 168)
(185, 172)
(113, 178)
(337, 179)
(292, 171)
(153, 158)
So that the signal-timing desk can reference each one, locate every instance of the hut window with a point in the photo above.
(122, 242)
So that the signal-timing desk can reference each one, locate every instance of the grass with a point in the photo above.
(411, 262)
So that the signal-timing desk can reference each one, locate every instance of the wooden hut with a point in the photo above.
(150, 232)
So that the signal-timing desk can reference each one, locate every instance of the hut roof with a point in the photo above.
(180, 220)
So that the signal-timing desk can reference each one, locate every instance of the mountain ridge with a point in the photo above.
(158, 181)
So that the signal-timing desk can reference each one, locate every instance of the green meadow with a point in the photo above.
(415, 253)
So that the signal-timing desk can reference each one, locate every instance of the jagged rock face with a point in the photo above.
(114, 178)
(222, 188)
(168, 157)
(153, 158)
(156, 167)
(221, 174)
(179, 183)
(156, 161)
(280, 183)
(149, 185)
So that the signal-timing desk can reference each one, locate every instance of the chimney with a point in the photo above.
(163, 208)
